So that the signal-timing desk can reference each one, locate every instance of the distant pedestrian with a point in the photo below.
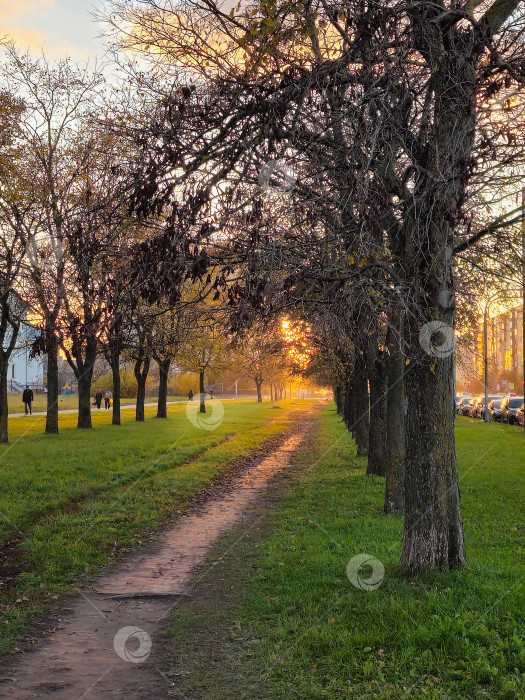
(211, 393)
(98, 399)
(107, 399)
(28, 398)
(190, 395)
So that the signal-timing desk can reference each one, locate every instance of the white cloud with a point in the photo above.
(16, 24)
(8, 8)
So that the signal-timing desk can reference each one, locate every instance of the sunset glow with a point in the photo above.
(297, 336)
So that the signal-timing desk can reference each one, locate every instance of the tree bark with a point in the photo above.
(114, 363)
(52, 385)
(84, 401)
(349, 406)
(258, 384)
(338, 400)
(83, 369)
(362, 411)
(141, 371)
(433, 535)
(377, 430)
(395, 424)
(4, 410)
(202, 406)
(164, 370)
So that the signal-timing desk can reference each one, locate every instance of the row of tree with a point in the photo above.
(85, 267)
(352, 164)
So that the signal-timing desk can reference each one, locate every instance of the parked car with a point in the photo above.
(473, 407)
(510, 407)
(463, 405)
(520, 415)
(495, 409)
(458, 397)
(480, 408)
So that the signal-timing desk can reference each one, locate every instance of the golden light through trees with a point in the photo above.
(297, 336)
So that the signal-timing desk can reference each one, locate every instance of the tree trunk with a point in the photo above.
(115, 371)
(433, 535)
(164, 370)
(395, 424)
(362, 411)
(349, 405)
(84, 374)
(52, 385)
(271, 392)
(84, 401)
(141, 371)
(202, 406)
(377, 430)
(337, 399)
(4, 410)
(258, 384)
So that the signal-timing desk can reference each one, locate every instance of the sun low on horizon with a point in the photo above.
(297, 336)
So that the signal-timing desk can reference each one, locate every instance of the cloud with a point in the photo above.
(16, 24)
(8, 8)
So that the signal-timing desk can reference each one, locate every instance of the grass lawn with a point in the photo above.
(279, 618)
(70, 502)
(15, 404)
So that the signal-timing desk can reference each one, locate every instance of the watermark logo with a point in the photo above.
(355, 573)
(44, 251)
(279, 171)
(205, 421)
(437, 339)
(137, 656)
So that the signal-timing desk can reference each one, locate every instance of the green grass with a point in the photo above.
(80, 498)
(291, 625)
(65, 403)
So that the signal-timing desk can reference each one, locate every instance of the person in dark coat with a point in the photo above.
(98, 398)
(190, 395)
(28, 398)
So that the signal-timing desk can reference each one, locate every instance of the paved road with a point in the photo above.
(93, 409)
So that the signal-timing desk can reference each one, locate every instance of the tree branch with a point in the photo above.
(500, 11)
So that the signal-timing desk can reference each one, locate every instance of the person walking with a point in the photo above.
(98, 398)
(107, 399)
(28, 398)
(190, 395)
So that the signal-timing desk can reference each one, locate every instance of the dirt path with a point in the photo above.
(104, 645)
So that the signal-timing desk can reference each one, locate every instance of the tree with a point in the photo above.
(378, 104)
(171, 331)
(260, 353)
(56, 98)
(205, 346)
(12, 249)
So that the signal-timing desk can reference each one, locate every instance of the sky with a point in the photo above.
(62, 27)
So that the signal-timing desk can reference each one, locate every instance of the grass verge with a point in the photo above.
(280, 619)
(74, 501)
